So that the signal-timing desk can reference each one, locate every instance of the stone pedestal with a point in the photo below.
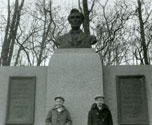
(75, 74)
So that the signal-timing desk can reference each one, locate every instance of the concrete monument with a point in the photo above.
(75, 71)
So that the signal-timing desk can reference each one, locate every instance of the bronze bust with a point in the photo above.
(76, 38)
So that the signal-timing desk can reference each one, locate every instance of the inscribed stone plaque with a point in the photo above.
(21, 100)
(132, 100)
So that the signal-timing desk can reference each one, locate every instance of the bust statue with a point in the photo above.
(76, 38)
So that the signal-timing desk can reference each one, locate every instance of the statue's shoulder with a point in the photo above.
(60, 40)
(62, 37)
(59, 37)
(91, 36)
(92, 39)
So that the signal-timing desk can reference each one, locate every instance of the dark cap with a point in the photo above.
(59, 97)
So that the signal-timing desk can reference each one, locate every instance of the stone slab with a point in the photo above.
(40, 98)
(21, 100)
(132, 100)
(110, 74)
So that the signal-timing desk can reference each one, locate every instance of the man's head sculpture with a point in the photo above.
(76, 38)
(75, 19)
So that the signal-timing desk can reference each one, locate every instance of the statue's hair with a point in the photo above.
(76, 10)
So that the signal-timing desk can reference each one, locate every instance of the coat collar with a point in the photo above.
(64, 108)
(94, 106)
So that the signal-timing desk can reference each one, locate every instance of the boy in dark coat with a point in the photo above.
(99, 113)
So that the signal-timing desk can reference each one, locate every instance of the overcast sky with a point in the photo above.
(65, 4)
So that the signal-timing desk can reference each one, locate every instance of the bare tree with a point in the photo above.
(46, 30)
(112, 46)
(47, 26)
(10, 32)
(37, 43)
(123, 31)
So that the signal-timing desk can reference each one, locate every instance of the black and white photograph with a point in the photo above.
(75, 62)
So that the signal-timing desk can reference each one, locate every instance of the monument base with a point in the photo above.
(75, 74)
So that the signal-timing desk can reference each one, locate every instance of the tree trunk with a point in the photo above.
(15, 32)
(10, 33)
(86, 23)
(142, 33)
(4, 51)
